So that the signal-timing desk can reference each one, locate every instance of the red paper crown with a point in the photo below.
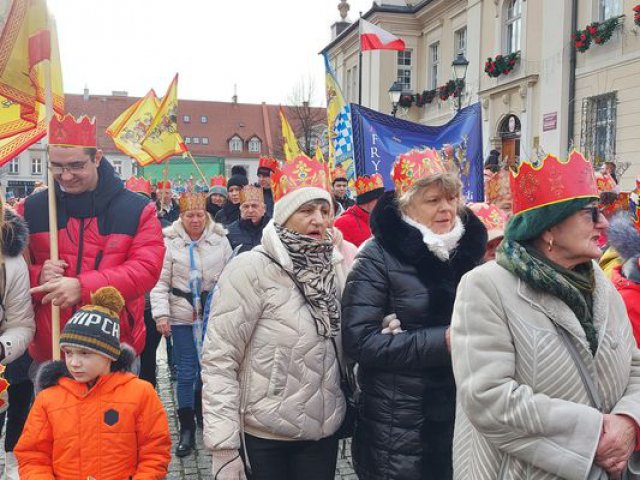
(4, 386)
(338, 173)
(163, 185)
(300, 172)
(552, 181)
(269, 163)
(218, 181)
(605, 182)
(366, 183)
(67, 132)
(138, 185)
(414, 165)
(492, 216)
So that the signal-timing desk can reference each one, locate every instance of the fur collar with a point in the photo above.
(14, 233)
(623, 236)
(405, 243)
(51, 372)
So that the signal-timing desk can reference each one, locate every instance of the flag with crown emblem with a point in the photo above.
(163, 140)
(27, 38)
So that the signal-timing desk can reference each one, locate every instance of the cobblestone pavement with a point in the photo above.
(198, 465)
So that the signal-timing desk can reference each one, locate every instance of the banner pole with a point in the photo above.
(53, 212)
(193, 160)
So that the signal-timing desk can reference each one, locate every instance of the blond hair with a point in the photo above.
(448, 182)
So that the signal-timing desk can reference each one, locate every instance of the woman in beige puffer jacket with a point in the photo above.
(269, 368)
(197, 250)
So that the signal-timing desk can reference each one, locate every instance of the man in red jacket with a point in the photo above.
(107, 235)
(354, 222)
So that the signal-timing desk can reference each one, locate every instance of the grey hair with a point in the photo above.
(449, 182)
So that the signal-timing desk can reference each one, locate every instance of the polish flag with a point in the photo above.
(373, 37)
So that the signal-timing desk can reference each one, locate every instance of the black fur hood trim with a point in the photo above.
(51, 372)
(623, 236)
(405, 242)
(15, 233)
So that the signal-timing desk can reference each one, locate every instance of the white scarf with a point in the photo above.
(440, 245)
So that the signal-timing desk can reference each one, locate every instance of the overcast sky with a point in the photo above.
(264, 46)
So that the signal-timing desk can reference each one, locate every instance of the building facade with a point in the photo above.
(219, 135)
(550, 99)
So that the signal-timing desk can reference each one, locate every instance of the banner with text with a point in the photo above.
(379, 139)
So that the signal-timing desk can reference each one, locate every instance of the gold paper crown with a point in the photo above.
(193, 201)
(300, 172)
(251, 193)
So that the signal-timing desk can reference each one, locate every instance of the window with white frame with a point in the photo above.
(36, 166)
(235, 144)
(609, 8)
(404, 70)
(117, 166)
(205, 140)
(434, 62)
(204, 119)
(14, 166)
(187, 140)
(196, 140)
(598, 132)
(460, 42)
(186, 118)
(513, 25)
(255, 145)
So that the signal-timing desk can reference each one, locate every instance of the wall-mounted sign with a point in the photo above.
(549, 121)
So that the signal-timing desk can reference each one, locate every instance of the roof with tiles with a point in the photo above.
(217, 122)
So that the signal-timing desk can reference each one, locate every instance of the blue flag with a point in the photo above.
(379, 139)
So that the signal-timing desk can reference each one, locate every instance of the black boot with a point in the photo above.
(187, 438)
(197, 407)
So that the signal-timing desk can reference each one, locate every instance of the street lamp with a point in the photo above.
(394, 95)
(460, 65)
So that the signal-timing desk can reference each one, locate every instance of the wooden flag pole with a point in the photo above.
(193, 160)
(53, 212)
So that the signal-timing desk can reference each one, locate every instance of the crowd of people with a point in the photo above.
(449, 341)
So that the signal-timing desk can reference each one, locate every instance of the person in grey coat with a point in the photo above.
(546, 366)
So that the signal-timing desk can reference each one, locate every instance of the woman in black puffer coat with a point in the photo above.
(407, 405)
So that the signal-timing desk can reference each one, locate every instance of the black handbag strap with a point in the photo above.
(301, 289)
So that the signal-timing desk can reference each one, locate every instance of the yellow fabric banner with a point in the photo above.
(163, 140)
(28, 38)
(290, 143)
(131, 127)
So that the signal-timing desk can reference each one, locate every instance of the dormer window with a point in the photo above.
(235, 144)
(255, 145)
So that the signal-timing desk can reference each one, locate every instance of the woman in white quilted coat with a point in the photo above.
(197, 250)
(270, 371)
(546, 366)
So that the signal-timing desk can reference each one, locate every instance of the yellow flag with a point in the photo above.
(132, 126)
(27, 38)
(319, 154)
(163, 140)
(290, 144)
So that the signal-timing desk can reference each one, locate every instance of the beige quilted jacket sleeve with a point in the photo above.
(160, 306)
(18, 327)
(235, 310)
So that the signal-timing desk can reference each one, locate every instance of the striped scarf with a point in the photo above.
(313, 269)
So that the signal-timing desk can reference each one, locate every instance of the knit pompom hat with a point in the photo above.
(238, 177)
(96, 327)
(287, 205)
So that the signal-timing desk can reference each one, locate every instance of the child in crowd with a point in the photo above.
(92, 419)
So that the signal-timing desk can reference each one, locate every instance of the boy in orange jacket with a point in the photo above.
(91, 417)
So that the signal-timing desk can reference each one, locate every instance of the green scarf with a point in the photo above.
(573, 287)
